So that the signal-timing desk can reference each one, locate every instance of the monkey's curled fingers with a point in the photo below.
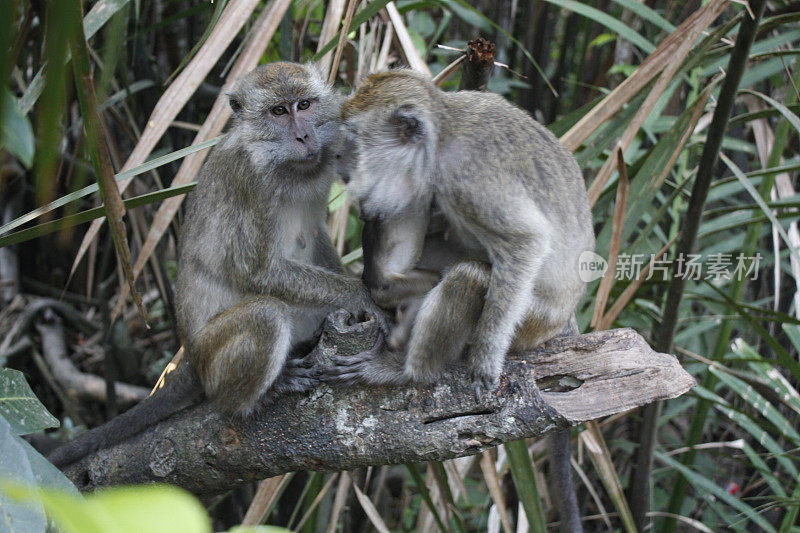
(299, 375)
(372, 311)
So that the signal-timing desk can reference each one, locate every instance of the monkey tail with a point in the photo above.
(181, 389)
(560, 452)
(566, 496)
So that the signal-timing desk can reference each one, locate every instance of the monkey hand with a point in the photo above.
(368, 309)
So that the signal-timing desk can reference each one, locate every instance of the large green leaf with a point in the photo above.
(16, 516)
(16, 133)
(44, 472)
(151, 508)
(20, 406)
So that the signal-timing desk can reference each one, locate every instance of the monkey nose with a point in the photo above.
(303, 139)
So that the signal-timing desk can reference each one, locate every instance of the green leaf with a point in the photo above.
(101, 12)
(751, 190)
(422, 23)
(602, 39)
(91, 189)
(336, 197)
(641, 9)
(45, 473)
(16, 133)
(219, 8)
(20, 406)
(14, 466)
(426, 495)
(744, 422)
(604, 19)
(353, 256)
(521, 466)
(707, 488)
(91, 214)
(759, 403)
(469, 15)
(151, 508)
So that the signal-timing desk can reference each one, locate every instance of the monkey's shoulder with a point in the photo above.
(489, 118)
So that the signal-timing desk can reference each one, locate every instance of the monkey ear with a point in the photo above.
(235, 102)
(408, 124)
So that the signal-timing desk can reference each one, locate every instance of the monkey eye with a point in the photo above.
(303, 104)
(278, 110)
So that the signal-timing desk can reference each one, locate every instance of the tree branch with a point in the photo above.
(338, 428)
(478, 66)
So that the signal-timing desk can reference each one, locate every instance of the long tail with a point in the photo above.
(566, 496)
(181, 390)
(560, 452)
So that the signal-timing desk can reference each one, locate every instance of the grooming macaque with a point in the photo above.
(475, 218)
(257, 271)
(404, 257)
(516, 214)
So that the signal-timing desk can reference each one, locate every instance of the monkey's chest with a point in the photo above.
(298, 240)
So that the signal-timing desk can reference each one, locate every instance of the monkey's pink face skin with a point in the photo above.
(296, 121)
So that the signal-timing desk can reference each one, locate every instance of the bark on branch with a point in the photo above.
(478, 66)
(566, 381)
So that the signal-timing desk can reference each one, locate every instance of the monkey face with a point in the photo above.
(386, 159)
(286, 114)
(347, 154)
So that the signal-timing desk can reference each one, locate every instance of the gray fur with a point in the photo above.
(516, 218)
(511, 195)
(257, 271)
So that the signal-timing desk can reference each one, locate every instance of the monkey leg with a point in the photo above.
(446, 318)
(547, 318)
(401, 332)
(242, 351)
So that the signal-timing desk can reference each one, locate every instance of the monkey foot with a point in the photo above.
(299, 375)
(482, 383)
(352, 369)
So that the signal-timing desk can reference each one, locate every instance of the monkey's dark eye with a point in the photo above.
(303, 104)
(278, 110)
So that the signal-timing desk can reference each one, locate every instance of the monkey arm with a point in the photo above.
(395, 288)
(311, 286)
(515, 259)
(326, 255)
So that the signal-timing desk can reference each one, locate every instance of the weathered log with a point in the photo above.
(564, 382)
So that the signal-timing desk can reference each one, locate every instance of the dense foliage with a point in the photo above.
(683, 117)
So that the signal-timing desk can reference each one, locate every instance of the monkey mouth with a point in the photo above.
(310, 158)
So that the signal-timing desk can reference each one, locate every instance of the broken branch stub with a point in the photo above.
(477, 68)
(339, 428)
